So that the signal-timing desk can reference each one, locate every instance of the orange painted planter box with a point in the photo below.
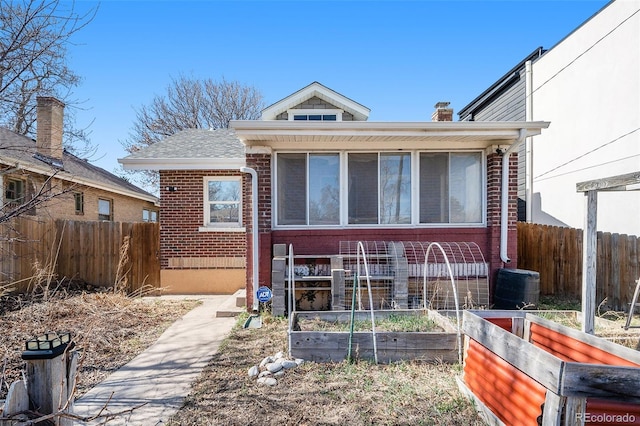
(541, 372)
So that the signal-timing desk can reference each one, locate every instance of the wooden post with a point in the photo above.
(589, 254)
(50, 372)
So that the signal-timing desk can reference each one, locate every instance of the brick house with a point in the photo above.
(87, 192)
(323, 174)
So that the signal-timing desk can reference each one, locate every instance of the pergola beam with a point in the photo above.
(627, 182)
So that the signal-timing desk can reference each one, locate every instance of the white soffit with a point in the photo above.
(282, 134)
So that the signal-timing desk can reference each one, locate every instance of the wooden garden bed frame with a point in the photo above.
(332, 346)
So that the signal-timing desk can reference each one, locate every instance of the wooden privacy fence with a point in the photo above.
(82, 250)
(556, 253)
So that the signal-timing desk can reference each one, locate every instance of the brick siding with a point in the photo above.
(183, 215)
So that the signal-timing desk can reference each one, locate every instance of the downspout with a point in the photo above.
(254, 233)
(504, 197)
(528, 156)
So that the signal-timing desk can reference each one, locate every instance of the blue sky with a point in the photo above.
(396, 57)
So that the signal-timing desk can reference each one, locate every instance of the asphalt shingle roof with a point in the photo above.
(194, 143)
(15, 148)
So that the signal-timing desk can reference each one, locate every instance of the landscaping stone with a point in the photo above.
(287, 364)
(254, 371)
(268, 381)
(273, 366)
(266, 361)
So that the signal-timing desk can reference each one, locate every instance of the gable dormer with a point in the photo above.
(316, 102)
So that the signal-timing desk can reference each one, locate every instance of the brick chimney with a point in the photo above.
(442, 112)
(49, 120)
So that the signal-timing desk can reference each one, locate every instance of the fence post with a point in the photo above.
(50, 371)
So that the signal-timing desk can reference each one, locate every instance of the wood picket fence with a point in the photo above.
(90, 251)
(556, 253)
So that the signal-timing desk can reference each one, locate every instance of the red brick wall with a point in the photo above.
(327, 241)
(182, 215)
(494, 186)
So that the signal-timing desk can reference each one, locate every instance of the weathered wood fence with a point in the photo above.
(556, 253)
(82, 250)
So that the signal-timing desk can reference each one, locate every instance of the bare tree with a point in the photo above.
(34, 36)
(189, 104)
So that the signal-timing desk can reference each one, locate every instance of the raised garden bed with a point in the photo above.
(521, 368)
(400, 335)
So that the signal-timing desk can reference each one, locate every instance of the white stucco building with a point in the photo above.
(588, 87)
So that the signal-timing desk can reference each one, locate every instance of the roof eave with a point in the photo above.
(66, 176)
(182, 163)
(245, 129)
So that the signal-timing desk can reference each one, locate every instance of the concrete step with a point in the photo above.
(231, 307)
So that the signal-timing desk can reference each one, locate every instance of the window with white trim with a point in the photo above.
(379, 188)
(451, 187)
(105, 209)
(222, 201)
(315, 115)
(308, 191)
(149, 215)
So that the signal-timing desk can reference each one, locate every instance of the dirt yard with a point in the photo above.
(320, 394)
(108, 330)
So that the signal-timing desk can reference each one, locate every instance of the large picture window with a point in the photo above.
(379, 188)
(451, 188)
(222, 201)
(308, 189)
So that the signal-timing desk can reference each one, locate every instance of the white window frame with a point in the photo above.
(415, 193)
(220, 227)
(152, 215)
(337, 112)
(110, 201)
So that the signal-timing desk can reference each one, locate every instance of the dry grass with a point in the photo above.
(320, 394)
(108, 329)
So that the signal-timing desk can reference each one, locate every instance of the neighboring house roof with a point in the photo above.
(20, 152)
(315, 89)
(190, 149)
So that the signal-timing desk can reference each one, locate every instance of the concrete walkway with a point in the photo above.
(161, 376)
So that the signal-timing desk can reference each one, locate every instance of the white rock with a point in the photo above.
(253, 371)
(299, 361)
(266, 361)
(278, 373)
(264, 374)
(279, 355)
(274, 366)
(287, 364)
(269, 381)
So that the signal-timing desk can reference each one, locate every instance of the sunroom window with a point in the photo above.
(379, 188)
(451, 187)
(222, 201)
(308, 190)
